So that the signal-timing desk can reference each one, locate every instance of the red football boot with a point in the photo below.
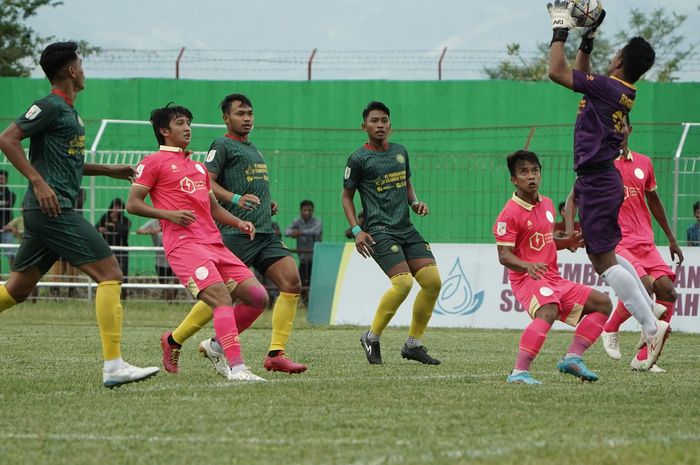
(283, 363)
(170, 354)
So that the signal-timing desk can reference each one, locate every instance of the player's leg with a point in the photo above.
(19, 287)
(665, 301)
(425, 271)
(532, 340)
(595, 309)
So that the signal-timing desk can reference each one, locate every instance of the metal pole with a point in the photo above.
(177, 63)
(676, 169)
(529, 137)
(442, 56)
(311, 59)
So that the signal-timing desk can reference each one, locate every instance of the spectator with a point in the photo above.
(307, 229)
(7, 201)
(360, 223)
(114, 227)
(560, 227)
(164, 273)
(694, 229)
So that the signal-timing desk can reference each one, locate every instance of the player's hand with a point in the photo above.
(592, 31)
(420, 208)
(247, 227)
(275, 207)
(48, 202)
(574, 241)
(536, 270)
(560, 12)
(122, 172)
(249, 202)
(364, 243)
(676, 252)
(181, 217)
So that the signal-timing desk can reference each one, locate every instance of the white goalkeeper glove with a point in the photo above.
(589, 34)
(560, 11)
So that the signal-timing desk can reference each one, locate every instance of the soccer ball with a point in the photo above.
(586, 12)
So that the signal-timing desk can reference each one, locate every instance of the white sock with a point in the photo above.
(412, 342)
(622, 261)
(517, 372)
(110, 366)
(240, 367)
(624, 286)
(216, 347)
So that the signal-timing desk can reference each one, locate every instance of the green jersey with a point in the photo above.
(241, 169)
(381, 179)
(56, 149)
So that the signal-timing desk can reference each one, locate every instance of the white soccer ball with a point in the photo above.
(586, 12)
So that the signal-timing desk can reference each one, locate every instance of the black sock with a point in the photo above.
(172, 342)
(273, 353)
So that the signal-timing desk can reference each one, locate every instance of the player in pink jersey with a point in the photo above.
(528, 248)
(637, 245)
(185, 205)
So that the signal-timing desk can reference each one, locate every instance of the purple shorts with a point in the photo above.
(598, 198)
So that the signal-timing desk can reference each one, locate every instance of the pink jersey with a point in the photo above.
(634, 219)
(528, 229)
(176, 182)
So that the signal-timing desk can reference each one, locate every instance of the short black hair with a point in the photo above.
(161, 118)
(229, 99)
(56, 57)
(374, 105)
(638, 57)
(306, 203)
(522, 155)
(696, 206)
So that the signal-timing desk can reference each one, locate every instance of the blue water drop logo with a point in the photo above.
(456, 296)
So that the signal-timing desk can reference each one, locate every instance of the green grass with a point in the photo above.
(54, 410)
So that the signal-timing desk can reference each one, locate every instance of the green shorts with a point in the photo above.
(260, 253)
(68, 236)
(391, 249)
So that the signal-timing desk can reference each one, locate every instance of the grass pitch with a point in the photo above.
(342, 411)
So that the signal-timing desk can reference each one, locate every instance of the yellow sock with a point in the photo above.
(200, 315)
(429, 279)
(108, 307)
(400, 287)
(6, 300)
(282, 319)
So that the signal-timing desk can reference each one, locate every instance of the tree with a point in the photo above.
(658, 27)
(20, 45)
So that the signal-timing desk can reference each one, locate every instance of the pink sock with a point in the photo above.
(251, 307)
(531, 342)
(619, 316)
(642, 354)
(587, 331)
(227, 334)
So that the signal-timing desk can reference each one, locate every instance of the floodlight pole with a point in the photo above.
(177, 63)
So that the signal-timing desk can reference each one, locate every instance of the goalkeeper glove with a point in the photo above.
(589, 34)
(562, 21)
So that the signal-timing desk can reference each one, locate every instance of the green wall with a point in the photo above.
(457, 134)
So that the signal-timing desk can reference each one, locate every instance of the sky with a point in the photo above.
(273, 39)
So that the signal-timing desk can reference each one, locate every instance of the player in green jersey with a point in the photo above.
(381, 172)
(53, 229)
(241, 183)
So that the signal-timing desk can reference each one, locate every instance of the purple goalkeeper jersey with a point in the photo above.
(598, 132)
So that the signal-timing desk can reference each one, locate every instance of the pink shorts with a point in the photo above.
(568, 296)
(199, 266)
(647, 260)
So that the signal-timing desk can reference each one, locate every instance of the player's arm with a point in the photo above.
(583, 56)
(559, 71)
(245, 201)
(136, 205)
(508, 259)
(657, 209)
(569, 214)
(416, 205)
(11, 146)
(221, 215)
(363, 241)
(113, 171)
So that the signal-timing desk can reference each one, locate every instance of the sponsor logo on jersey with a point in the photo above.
(139, 171)
(400, 158)
(501, 228)
(210, 156)
(33, 112)
(347, 172)
(200, 168)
